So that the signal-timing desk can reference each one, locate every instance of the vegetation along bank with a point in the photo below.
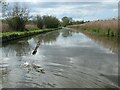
(8, 36)
(107, 28)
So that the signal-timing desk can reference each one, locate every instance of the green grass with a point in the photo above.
(103, 32)
(8, 36)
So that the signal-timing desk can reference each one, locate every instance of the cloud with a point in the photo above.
(35, 1)
(115, 10)
(76, 10)
(0, 14)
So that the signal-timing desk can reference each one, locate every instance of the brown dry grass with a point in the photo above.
(31, 27)
(5, 27)
(101, 24)
(105, 27)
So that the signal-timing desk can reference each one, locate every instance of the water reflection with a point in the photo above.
(18, 48)
(69, 58)
(22, 48)
(67, 34)
(46, 38)
(107, 42)
(50, 37)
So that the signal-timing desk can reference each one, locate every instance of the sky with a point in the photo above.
(77, 9)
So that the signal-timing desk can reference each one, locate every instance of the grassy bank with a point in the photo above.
(100, 27)
(8, 36)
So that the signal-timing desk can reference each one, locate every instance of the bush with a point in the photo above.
(16, 23)
(40, 23)
(17, 17)
(50, 22)
(66, 21)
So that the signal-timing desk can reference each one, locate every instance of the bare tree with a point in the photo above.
(16, 17)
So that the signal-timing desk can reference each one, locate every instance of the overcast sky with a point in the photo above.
(77, 9)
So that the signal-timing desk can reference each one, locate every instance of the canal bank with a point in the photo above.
(108, 28)
(9, 36)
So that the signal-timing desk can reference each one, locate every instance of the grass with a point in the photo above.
(101, 27)
(104, 32)
(8, 36)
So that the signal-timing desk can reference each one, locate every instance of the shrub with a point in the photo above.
(40, 23)
(17, 17)
(50, 21)
(66, 21)
(16, 23)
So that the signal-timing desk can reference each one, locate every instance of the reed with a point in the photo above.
(102, 27)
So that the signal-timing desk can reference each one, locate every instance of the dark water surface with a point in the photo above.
(62, 59)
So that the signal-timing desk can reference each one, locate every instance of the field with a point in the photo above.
(101, 27)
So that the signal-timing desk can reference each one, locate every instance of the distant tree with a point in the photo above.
(40, 23)
(65, 21)
(78, 22)
(50, 21)
(70, 21)
(82, 21)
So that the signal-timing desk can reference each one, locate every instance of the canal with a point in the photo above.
(65, 58)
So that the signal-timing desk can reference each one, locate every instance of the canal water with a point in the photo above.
(65, 58)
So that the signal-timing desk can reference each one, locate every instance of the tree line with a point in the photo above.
(17, 17)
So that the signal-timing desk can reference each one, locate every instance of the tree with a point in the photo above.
(40, 23)
(78, 22)
(66, 21)
(50, 21)
(17, 17)
(3, 5)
